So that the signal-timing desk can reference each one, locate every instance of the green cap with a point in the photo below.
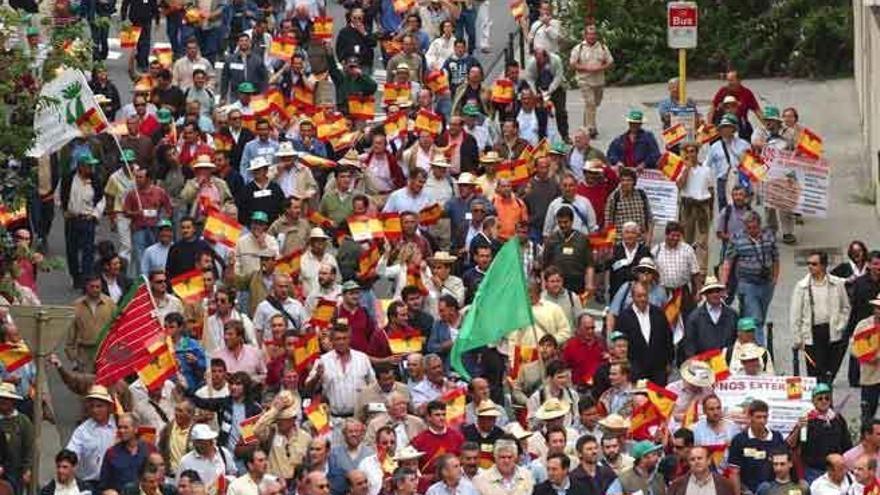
(559, 148)
(729, 119)
(821, 388)
(164, 224)
(32, 31)
(470, 110)
(350, 285)
(259, 216)
(129, 156)
(617, 336)
(643, 448)
(635, 116)
(746, 324)
(88, 159)
(772, 113)
(247, 88)
(164, 116)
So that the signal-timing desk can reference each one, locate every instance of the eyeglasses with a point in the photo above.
(822, 397)
(159, 281)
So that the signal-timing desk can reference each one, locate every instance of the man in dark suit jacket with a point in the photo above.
(240, 136)
(701, 332)
(468, 150)
(698, 460)
(558, 478)
(650, 357)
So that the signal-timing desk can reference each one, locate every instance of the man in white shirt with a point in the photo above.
(835, 481)
(94, 436)
(277, 301)
(314, 257)
(342, 372)
(207, 458)
(546, 32)
(724, 157)
(182, 70)
(254, 481)
(697, 188)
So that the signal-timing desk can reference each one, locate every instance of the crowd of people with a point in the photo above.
(269, 121)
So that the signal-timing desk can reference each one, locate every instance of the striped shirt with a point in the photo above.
(343, 381)
(753, 258)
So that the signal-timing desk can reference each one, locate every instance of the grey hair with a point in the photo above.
(502, 445)
(630, 225)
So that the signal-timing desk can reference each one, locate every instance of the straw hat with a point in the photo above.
(351, 158)
(201, 431)
(750, 351)
(697, 373)
(594, 165)
(318, 233)
(466, 178)
(258, 162)
(203, 161)
(729, 99)
(7, 391)
(518, 432)
(552, 408)
(646, 263)
(490, 157)
(441, 162)
(289, 412)
(285, 149)
(711, 284)
(99, 392)
(408, 453)
(488, 408)
(443, 257)
(614, 422)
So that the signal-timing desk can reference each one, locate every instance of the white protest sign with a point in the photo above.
(662, 195)
(797, 183)
(789, 398)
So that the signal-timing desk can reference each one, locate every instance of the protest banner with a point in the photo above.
(662, 194)
(797, 182)
(789, 397)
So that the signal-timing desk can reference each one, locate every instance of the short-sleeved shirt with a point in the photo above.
(753, 258)
(595, 55)
(676, 265)
(620, 209)
(752, 456)
(571, 254)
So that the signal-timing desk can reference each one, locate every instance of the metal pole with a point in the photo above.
(38, 401)
(682, 76)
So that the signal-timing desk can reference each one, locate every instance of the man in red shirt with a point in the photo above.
(599, 182)
(745, 98)
(145, 205)
(359, 321)
(584, 353)
(437, 440)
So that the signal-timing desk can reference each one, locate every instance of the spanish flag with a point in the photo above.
(753, 167)
(521, 355)
(406, 341)
(306, 351)
(14, 356)
(794, 387)
(401, 6)
(260, 106)
(323, 313)
(866, 343)
(318, 415)
(364, 227)
(222, 229)
(223, 142)
(303, 97)
(190, 286)
(164, 55)
(430, 215)
(392, 47)
(541, 150)
(290, 264)
(604, 238)
(391, 92)
(91, 122)
(518, 9)
(319, 220)
(652, 413)
(502, 91)
(516, 171)
(194, 16)
(322, 28)
(249, 121)
(344, 141)
(276, 100)
(282, 47)
(332, 128)
(527, 153)
(716, 453)
(707, 133)
(319, 162)
(671, 165)
(368, 261)
(361, 107)
(437, 82)
(691, 414)
(391, 226)
(715, 359)
(129, 36)
(672, 308)
(396, 124)
(455, 401)
(810, 144)
(9, 218)
(414, 278)
(663, 399)
(162, 367)
(674, 135)
(248, 428)
(147, 434)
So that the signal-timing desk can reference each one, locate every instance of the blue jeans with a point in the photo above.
(174, 31)
(754, 301)
(443, 105)
(140, 240)
(467, 24)
(80, 241)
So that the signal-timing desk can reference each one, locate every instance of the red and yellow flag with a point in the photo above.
(322, 28)
(190, 286)
(715, 359)
(319, 162)
(282, 47)
(249, 121)
(391, 226)
(753, 167)
(396, 124)
(129, 36)
(223, 142)
(164, 55)
(414, 278)
(276, 100)
(162, 367)
(303, 97)
(147, 434)
(194, 16)
(518, 9)
(402, 6)
(707, 133)
(318, 415)
(8, 217)
(333, 127)
(516, 171)
(391, 92)
(361, 107)
(406, 341)
(604, 238)
(364, 227)
(522, 355)
(392, 47)
(663, 399)
(455, 401)
(344, 141)
(289, 264)
(260, 105)
(323, 313)
(716, 453)
(691, 414)
(437, 82)
(652, 413)
(248, 428)
(306, 351)
(541, 150)
(866, 343)
(368, 261)
(222, 229)
(674, 135)
(430, 215)
(502, 91)
(319, 220)
(671, 165)
(14, 356)
(794, 387)
(91, 122)
(810, 144)
(672, 308)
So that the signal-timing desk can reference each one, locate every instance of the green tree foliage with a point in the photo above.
(760, 38)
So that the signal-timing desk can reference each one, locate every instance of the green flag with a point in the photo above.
(500, 306)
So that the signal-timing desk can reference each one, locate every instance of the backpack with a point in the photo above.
(616, 200)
